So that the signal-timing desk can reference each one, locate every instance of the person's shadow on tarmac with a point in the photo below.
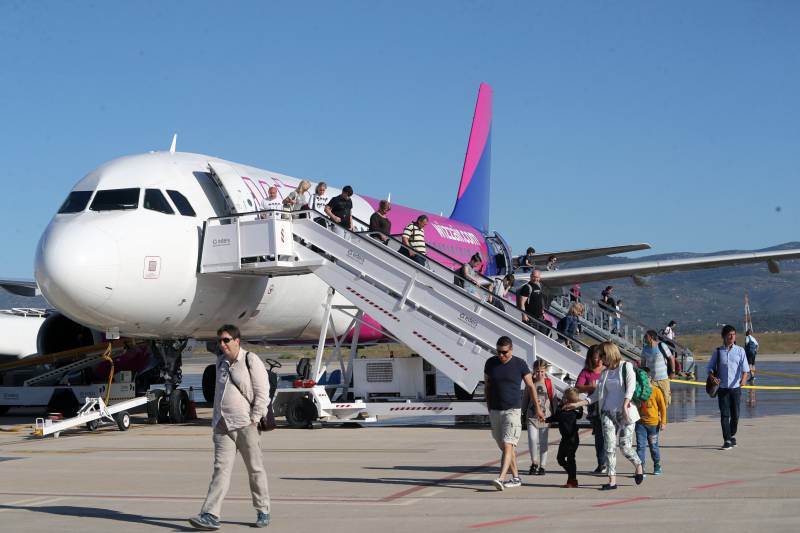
(175, 524)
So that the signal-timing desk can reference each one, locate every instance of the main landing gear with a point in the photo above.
(172, 403)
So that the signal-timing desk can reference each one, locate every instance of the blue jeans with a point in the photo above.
(647, 436)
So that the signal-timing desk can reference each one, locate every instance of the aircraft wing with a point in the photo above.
(569, 276)
(585, 253)
(20, 287)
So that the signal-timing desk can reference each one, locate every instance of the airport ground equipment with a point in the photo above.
(597, 323)
(455, 329)
(93, 413)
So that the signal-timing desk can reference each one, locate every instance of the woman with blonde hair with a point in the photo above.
(618, 415)
(298, 198)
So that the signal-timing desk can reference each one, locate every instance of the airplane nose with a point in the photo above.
(76, 267)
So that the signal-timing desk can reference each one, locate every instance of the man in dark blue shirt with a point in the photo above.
(503, 375)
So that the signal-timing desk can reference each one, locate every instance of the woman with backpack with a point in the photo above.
(618, 415)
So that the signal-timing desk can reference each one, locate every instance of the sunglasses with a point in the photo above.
(225, 340)
(503, 352)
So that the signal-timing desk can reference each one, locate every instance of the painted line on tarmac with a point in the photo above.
(156, 497)
(29, 503)
(504, 521)
(720, 484)
(620, 502)
(790, 471)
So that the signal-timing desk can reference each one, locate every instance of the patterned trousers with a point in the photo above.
(614, 427)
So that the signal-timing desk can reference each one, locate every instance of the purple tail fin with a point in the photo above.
(472, 204)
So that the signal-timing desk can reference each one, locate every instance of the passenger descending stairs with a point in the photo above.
(597, 324)
(453, 329)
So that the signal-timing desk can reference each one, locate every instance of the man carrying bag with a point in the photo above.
(240, 402)
(728, 369)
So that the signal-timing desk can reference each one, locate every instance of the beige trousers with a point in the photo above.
(246, 441)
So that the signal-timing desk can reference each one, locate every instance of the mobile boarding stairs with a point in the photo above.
(452, 328)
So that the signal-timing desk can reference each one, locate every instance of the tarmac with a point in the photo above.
(349, 479)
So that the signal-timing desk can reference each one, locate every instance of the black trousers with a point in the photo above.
(599, 440)
(566, 458)
(729, 400)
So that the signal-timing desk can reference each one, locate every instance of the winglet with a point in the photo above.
(174, 142)
(472, 203)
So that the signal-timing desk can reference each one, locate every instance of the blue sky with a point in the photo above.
(674, 123)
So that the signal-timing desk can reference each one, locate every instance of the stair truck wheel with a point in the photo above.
(209, 383)
(178, 406)
(92, 425)
(157, 410)
(123, 420)
(301, 412)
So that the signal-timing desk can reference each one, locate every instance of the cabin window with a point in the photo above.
(76, 202)
(154, 200)
(115, 200)
(183, 205)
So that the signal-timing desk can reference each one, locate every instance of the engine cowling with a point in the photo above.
(59, 333)
(18, 335)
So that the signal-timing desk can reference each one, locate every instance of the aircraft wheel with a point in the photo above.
(92, 425)
(209, 383)
(178, 406)
(123, 420)
(158, 409)
(301, 412)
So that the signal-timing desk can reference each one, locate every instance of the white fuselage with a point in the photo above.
(136, 269)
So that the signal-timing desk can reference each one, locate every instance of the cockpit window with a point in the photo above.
(183, 205)
(115, 200)
(75, 202)
(155, 201)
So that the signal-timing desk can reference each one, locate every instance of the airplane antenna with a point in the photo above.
(174, 142)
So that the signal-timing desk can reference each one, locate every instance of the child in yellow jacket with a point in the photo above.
(652, 421)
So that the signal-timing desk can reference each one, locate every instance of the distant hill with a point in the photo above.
(703, 300)
(699, 301)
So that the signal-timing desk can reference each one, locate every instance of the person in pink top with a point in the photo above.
(587, 382)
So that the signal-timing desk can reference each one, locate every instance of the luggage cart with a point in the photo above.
(92, 414)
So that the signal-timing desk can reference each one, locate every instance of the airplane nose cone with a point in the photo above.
(76, 267)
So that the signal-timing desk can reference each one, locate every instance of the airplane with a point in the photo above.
(121, 255)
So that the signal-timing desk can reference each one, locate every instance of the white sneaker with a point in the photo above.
(512, 483)
(498, 484)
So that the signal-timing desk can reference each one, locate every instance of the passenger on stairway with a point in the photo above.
(414, 240)
(272, 202)
(298, 198)
(340, 207)
(379, 223)
(467, 275)
(525, 262)
(552, 264)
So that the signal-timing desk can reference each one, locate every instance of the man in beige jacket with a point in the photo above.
(240, 400)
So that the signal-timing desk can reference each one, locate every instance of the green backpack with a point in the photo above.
(643, 389)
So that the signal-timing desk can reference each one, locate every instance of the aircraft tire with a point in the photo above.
(123, 420)
(209, 383)
(178, 406)
(157, 410)
(301, 412)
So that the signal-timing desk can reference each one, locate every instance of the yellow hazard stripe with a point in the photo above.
(761, 387)
(777, 374)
